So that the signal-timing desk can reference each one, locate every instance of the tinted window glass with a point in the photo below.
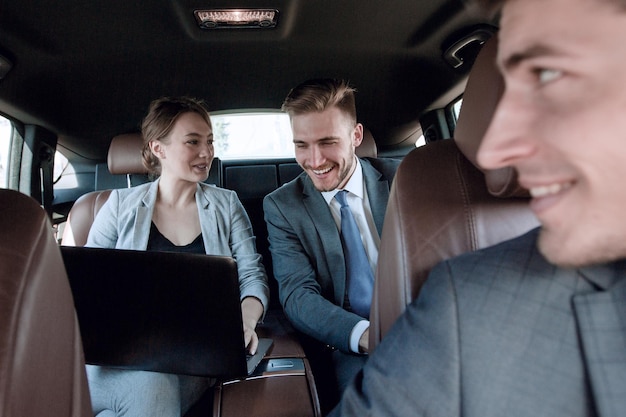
(5, 145)
(456, 109)
(252, 135)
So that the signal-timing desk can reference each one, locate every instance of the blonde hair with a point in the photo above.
(317, 95)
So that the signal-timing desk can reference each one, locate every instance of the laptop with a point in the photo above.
(167, 312)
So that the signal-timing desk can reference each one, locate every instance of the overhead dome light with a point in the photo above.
(236, 18)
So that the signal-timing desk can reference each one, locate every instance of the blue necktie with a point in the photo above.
(360, 276)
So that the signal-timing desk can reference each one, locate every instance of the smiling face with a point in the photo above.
(187, 152)
(562, 123)
(325, 143)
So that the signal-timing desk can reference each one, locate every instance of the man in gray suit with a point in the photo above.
(303, 221)
(535, 326)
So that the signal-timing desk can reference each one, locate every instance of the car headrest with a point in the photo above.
(482, 94)
(125, 154)
(367, 148)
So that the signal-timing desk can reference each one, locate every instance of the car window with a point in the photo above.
(456, 109)
(252, 135)
(5, 145)
(61, 163)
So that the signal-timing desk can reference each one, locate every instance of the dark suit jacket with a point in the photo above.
(307, 254)
(501, 332)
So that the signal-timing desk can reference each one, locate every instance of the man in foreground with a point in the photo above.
(537, 325)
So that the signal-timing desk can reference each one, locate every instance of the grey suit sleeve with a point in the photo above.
(300, 292)
(252, 275)
(415, 371)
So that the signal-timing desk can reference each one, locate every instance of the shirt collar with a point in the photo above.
(354, 184)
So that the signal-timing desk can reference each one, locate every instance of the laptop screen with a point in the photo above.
(159, 311)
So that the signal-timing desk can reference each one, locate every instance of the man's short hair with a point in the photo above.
(317, 95)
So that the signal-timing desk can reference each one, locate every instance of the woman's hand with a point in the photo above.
(251, 312)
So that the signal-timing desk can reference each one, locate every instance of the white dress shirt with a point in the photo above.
(362, 212)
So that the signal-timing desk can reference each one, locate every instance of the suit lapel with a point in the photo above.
(377, 192)
(322, 221)
(209, 222)
(143, 217)
(602, 323)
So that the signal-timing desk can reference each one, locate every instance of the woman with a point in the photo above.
(176, 212)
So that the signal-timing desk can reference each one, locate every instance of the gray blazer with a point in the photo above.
(307, 254)
(124, 222)
(502, 332)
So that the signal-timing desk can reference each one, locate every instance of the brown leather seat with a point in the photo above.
(367, 148)
(124, 158)
(442, 205)
(42, 369)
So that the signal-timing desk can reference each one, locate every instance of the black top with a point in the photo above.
(158, 242)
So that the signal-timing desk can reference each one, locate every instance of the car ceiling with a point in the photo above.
(87, 70)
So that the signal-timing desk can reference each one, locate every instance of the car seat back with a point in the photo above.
(124, 158)
(442, 204)
(42, 368)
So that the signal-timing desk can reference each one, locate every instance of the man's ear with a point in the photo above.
(157, 149)
(357, 135)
